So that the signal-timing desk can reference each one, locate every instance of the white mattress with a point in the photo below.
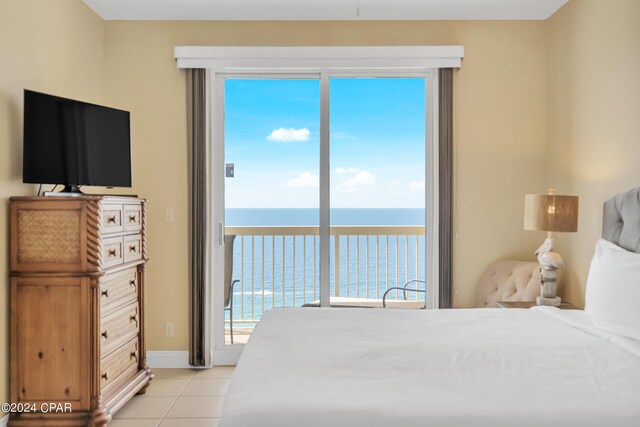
(479, 367)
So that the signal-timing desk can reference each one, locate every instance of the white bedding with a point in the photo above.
(478, 367)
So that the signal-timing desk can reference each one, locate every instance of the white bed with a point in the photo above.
(476, 367)
(356, 367)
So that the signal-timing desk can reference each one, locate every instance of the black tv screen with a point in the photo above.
(75, 143)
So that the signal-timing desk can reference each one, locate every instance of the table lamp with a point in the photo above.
(550, 212)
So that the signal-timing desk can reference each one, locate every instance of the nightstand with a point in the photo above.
(529, 304)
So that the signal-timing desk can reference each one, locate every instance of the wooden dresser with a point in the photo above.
(77, 308)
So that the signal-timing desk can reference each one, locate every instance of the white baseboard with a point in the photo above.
(167, 359)
(4, 421)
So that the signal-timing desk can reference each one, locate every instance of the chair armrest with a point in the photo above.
(414, 281)
(404, 290)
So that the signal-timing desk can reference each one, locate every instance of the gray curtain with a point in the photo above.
(199, 224)
(446, 186)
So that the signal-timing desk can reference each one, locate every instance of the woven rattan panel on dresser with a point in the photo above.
(77, 308)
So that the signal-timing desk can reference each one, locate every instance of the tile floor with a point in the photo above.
(178, 397)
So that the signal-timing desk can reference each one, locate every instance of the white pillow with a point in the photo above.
(613, 290)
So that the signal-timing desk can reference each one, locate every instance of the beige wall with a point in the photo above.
(500, 134)
(49, 46)
(593, 116)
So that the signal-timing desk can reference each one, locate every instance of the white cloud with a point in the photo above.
(305, 179)
(356, 182)
(360, 179)
(343, 170)
(289, 135)
(416, 185)
(393, 183)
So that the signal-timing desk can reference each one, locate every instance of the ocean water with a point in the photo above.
(283, 271)
(311, 217)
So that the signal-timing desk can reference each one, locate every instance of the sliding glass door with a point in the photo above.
(377, 140)
(271, 198)
(321, 191)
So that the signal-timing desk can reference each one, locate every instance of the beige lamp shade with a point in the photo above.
(550, 212)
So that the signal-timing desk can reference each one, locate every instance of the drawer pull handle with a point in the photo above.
(105, 376)
(105, 335)
(134, 356)
(132, 248)
(112, 252)
(133, 317)
(132, 218)
(105, 293)
(111, 219)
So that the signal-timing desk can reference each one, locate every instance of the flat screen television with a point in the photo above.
(75, 143)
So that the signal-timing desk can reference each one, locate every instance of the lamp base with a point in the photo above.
(554, 302)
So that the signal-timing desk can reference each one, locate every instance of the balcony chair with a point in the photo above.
(229, 283)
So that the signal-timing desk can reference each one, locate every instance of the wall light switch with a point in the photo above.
(169, 215)
(169, 330)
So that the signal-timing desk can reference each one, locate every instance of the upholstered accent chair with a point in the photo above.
(507, 280)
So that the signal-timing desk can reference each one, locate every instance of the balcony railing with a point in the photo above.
(279, 266)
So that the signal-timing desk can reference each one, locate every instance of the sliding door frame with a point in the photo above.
(227, 354)
(431, 164)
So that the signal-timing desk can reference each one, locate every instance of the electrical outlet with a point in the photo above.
(169, 215)
(169, 330)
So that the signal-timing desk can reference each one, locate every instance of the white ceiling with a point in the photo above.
(324, 10)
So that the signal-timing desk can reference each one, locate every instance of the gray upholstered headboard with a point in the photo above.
(621, 220)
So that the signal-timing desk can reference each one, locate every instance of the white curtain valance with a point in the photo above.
(316, 58)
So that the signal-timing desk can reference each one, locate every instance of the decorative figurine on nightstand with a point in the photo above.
(550, 263)
(550, 213)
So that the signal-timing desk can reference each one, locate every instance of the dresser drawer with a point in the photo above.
(111, 218)
(120, 364)
(118, 327)
(132, 247)
(118, 289)
(132, 217)
(112, 251)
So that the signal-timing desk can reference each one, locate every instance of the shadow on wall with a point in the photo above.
(10, 180)
(7, 121)
(13, 108)
(574, 294)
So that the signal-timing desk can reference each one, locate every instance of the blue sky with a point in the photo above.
(272, 132)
